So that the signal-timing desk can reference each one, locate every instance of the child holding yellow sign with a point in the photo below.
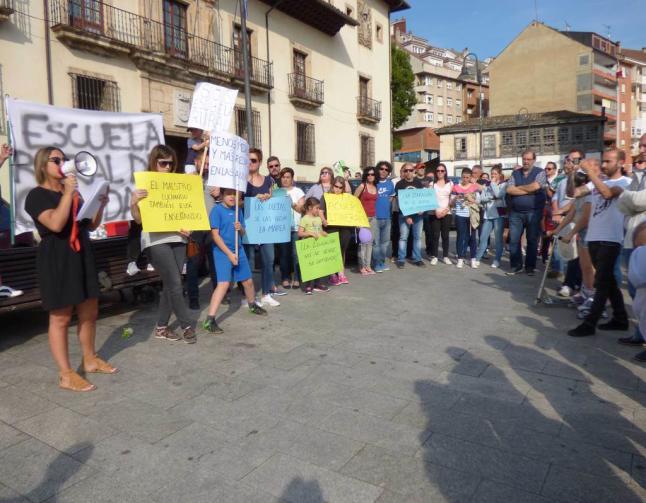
(311, 226)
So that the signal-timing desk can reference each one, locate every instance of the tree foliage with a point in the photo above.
(402, 81)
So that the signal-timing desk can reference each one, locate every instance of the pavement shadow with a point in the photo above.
(303, 491)
(507, 440)
(59, 471)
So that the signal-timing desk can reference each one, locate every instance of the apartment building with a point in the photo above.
(319, 70)
(637, 60)
(504, 138)
(443, 98)
(544, 69)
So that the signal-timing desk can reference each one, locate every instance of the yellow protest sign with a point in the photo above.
(345, 210)
(174, 202)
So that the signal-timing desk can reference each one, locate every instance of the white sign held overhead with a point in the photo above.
(228, 161)
(120, 143)
(212, 107)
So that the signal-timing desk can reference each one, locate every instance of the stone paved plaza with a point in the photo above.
(416, 385)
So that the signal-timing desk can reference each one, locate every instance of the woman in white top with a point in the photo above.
(440, 219)
(288, 257)
(167, 251)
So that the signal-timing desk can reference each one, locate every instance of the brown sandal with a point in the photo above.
(101, 367)
(76, 382)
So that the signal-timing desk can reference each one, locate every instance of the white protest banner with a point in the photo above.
(228, 161)
(212, 107)
(120, 142)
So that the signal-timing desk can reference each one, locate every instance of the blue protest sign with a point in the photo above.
(267, 221)
(416, 200)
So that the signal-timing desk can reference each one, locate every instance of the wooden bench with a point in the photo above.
(18, 270)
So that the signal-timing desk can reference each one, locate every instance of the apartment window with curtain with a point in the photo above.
(175, 37)
(87, 15)
(367, 146)
(305, 142)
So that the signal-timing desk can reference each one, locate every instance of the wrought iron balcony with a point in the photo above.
(261, 77)
(7, 7)
(153, 46)
(305, 91)
(368, 110)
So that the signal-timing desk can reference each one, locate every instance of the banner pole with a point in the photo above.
(237, 210)
(12, 203)
(204, 158)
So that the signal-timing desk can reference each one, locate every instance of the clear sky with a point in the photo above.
(486, 27)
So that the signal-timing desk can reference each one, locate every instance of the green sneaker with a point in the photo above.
(256, 309)
(212, 327)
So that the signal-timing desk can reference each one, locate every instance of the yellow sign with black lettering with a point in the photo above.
(174, 202)
(345, 210)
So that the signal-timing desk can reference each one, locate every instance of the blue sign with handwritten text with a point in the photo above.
(267, 221)
(416, 200)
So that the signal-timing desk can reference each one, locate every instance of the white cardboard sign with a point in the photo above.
(212, 107)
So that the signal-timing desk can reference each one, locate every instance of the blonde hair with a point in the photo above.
(40, 163)
(161, 152)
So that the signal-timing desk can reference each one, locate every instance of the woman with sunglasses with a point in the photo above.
(339, 186)
(167, 252)
(440, 219)
(492, 197)
(65, 266)
(260, 187)
(367, 194)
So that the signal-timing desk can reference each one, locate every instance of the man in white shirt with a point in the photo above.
(605, 237)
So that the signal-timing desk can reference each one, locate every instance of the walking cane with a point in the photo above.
(541, 296)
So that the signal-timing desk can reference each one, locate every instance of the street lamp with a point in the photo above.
(468, 73)
(519, 115)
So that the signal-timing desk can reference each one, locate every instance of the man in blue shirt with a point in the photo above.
(526, 191)
(385, 194)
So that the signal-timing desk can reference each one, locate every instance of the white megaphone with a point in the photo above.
(83, 163)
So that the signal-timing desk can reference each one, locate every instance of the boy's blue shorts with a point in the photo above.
(225, 269)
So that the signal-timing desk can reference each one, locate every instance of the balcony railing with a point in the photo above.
(261, 70)
(368, 110)
(305, 90)
(110, 29)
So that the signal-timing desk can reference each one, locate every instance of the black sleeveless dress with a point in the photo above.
(65, 277)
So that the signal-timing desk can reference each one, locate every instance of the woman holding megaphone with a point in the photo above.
(65, 265)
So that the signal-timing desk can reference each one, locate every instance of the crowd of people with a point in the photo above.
(599, 205)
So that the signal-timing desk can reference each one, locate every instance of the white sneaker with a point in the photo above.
(132, 269)
(150, 268)
(565, 291)
(447, 261)
(460, 263)
(474, 264)
(270, 301)
(7, 291)
(495, 265)
(434, 261)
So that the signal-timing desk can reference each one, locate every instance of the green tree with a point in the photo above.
(402, 81)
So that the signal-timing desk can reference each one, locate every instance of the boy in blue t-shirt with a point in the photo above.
(223, 229)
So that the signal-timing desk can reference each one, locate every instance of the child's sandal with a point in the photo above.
(100, 366)
(74, 382)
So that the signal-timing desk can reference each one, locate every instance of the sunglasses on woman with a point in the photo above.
(165, 164)
(339, 187)
(57, 160)
(327, 173)
(371, 174)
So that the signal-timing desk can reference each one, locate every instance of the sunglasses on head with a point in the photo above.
(57, 160)
(164, 163)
